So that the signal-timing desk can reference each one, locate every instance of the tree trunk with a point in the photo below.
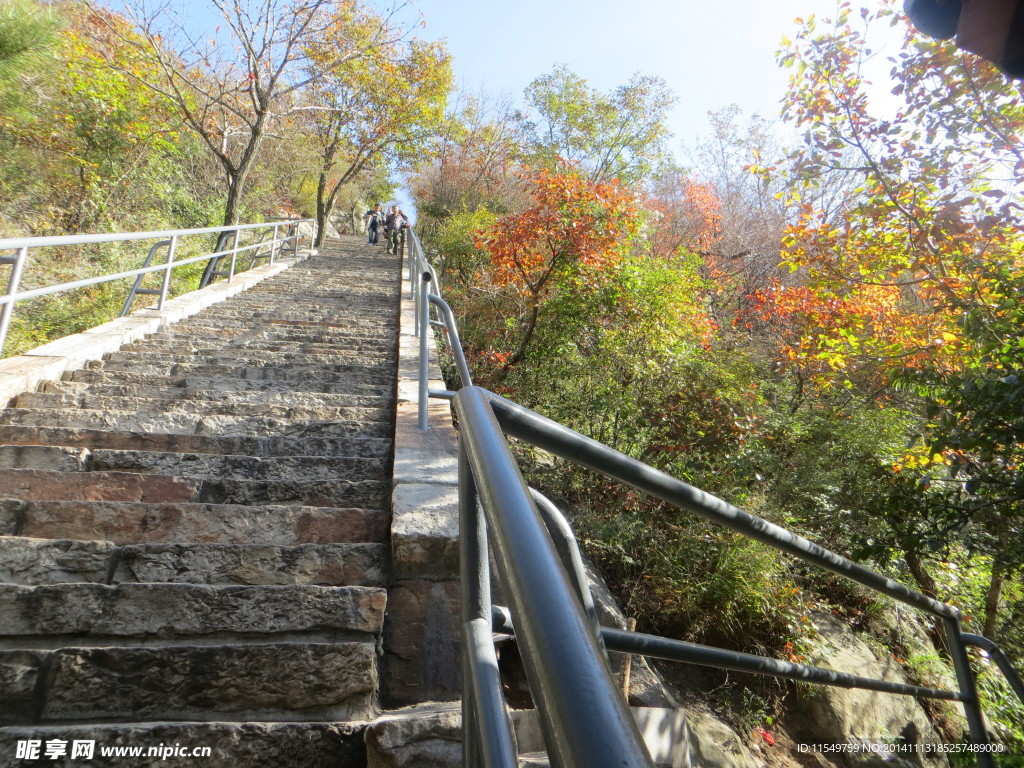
(235, 184)
(324, 206)
(992, 595)
(927, 585)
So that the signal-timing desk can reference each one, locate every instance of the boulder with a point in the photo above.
(831, 715)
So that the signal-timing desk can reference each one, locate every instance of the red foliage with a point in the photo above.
(572, 222)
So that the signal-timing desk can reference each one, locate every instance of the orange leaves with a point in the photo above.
(866, 330)
(690, 216)
(572, 222)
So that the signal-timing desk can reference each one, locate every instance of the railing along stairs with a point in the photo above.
(584, 718)
(272, 240)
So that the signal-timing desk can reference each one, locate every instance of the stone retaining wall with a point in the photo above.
(422, 627)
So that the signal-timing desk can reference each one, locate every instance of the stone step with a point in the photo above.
(218, 745)
(197, 345)
(45, 400)
(341, 383)
(138, 523)
(323, 493)
(280, 396)
(229, 682)
(274, 372)
(94, 613)
(186, 423)
(94, 486)
(206, 465)
(245, 357)
(378, 447)
(33, 561)
(209, 333)
(371, 312)
(191, 465)
(47, 485)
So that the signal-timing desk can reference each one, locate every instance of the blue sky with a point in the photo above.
(712, 53)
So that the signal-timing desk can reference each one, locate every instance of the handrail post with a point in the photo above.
(414, 284)
(234, 254)
(165, 284)
(273, 244)
(13, 282)
(968, 689)
(424, 329)
(488, 739)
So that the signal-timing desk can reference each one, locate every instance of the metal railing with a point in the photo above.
(14, 252)
(584, 718)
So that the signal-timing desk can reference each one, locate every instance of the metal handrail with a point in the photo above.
(426, 293)
(21, 246)
(582, 712)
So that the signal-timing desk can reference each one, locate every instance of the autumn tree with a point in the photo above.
(575, 229)
(900, 283)
(378, 108)
(472, 160)
(232, 89)
(620, 135)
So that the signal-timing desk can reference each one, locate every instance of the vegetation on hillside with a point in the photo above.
(119, 123)
(827, 334)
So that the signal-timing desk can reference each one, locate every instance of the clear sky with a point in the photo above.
(712, 53)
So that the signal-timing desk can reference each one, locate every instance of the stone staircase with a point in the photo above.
(194, 532)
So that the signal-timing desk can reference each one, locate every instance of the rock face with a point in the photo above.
(193, 532)
(831, 715)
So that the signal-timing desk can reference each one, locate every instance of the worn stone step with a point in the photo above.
(95, 486)
(219, 745)
(198, 346)
(32, 561)
(168, 611)
(342, 383)
(224, 394)
(340, 335)
(128, 486)
(279, 326)
(328, 565)
(191, 465)
(184, 422)
(277, 372)
(206, 465)
(28, 562)
(238, 330)
(322, 493)
(149, 441)
(61, 458)
(246, 357)
(137, 523)
(300, 311)
(41, 400)
(230, 682)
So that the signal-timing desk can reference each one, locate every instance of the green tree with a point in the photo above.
(379, 108)
(234, 90)
(620, 135)
(28, 34)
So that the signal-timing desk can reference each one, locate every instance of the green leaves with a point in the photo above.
(609, 136)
